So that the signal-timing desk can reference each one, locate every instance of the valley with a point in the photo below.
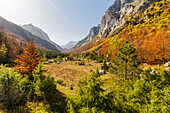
(71, 73)
(122, 65)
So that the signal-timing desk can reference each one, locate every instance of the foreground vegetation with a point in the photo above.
(28, 87)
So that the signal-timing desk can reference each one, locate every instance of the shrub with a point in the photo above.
(90, 98)
(70, 57)
(105, 66)
(60, 81)
(100, 60)
(81, 63)
(44, 86)
(11, 96)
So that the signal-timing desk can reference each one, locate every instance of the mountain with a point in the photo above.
(36, 31)
(114, 18)
(148, 32)
(40, 33)
(69, 45)
(144, 23)
(116, 14)
(92, 34)
(18, 32)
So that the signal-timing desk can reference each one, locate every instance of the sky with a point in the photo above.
(62, 20)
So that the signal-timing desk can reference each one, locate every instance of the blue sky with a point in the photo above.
(62, 20)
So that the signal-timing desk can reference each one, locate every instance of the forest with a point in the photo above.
(24, 87)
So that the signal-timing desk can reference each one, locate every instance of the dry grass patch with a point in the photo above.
(72, 73)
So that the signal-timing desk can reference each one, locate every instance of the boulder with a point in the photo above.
(167, 64)
(108, 63)
(145, 64)
(95, 61)
(102, 72)
(89, 65)
(70, 84)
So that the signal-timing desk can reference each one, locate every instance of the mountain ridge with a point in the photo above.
(26, 35)
(40, 33)
(148, 32)
(92, 34)
(115, 17)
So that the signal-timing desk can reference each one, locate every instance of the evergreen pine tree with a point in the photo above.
(125, 63)
(91, 96)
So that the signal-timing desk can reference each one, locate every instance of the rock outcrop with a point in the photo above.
(115, 15)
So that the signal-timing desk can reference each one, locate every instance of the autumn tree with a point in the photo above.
(28, 61)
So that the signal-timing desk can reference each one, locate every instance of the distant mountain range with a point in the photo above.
(69, 45)
(40, 33)
(22, 34)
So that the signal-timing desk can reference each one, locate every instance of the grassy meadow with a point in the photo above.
(71, 73)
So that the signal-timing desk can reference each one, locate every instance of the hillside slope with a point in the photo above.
(115, 17)
(149, 32)
(18, 32)
(92, 34)
(40, 33)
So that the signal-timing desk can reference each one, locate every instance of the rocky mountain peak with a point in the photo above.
(115, 16)
(30, 24)
(40, 33)
(92, 34)
(118, 4)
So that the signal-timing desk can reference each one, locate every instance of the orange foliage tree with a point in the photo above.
(28, 61)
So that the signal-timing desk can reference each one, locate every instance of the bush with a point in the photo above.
(90, 98)
(44, 86)
(45, 89)
(100, 60)
(105, 66)
(60, 81)
(11, 96)
(81, 63)
(148, 93)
